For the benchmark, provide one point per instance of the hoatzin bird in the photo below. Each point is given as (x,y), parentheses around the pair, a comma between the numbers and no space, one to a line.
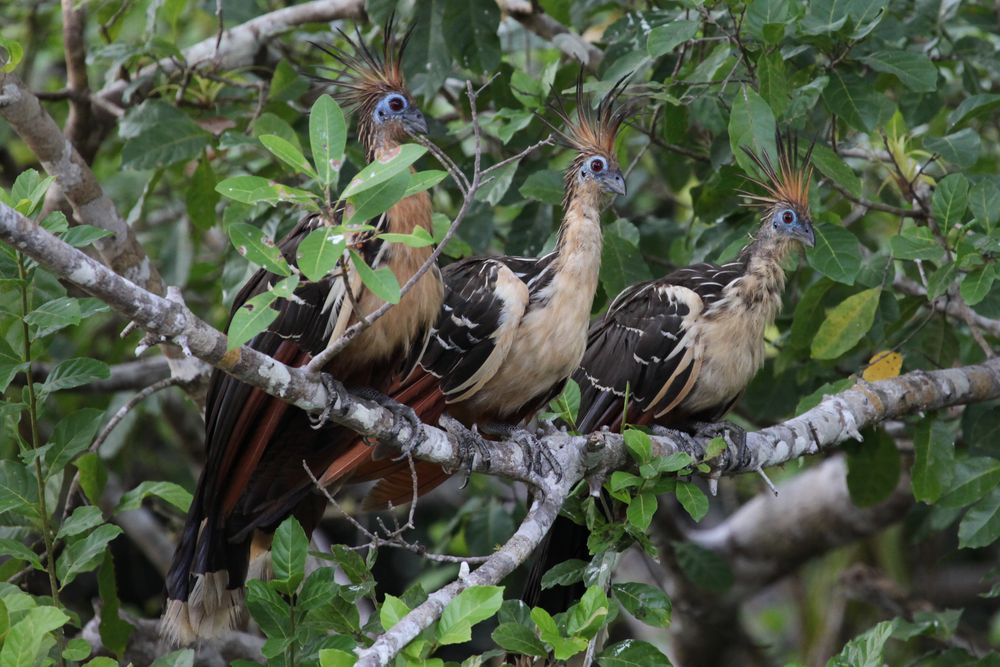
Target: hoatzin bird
(253,477)
(513,329)
(684,347)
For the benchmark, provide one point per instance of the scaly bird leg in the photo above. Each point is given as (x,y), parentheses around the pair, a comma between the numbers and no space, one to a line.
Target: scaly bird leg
(539,459)
(470,443)
(335,393)
(404,416)
(734,435)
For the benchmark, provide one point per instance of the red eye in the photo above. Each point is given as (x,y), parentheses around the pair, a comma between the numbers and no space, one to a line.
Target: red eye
(788,217)
(396,103)
(597,165)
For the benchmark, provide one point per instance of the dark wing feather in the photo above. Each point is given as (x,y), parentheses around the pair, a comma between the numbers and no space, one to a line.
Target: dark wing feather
(640,345)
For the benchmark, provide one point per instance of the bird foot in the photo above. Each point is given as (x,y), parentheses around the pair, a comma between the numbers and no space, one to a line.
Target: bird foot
(405,418)
(336,394)
(539,459)
(675,434)
(470,443)
(734,436)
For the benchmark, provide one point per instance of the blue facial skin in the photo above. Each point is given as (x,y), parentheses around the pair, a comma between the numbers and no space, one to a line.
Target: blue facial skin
(394,107)
(787,221)
(610,179)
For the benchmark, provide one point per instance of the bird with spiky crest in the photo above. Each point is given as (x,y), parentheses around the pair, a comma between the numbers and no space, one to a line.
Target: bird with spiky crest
(253,477)
(512,329)
(681,349)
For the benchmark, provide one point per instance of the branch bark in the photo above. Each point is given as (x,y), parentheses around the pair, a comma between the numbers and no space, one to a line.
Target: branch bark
(122,252)
(833,421)
(546,27)
(951,307)
(237,46)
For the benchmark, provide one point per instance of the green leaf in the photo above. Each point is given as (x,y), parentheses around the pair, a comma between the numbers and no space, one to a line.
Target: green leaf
(647,603)
(289,549)
(934,460)
(250,319)
(77,649)
(287,84)
(632,653)
(518,639)
(833,167)
(846,324)
(319,252)
(383,169)
(563,574)
(71,436)
(23,642)
(980,527)
(562,647)
(496,185)
(855,100)
(873,468)
(270,123)
(428,61)
(327,138)
(10,364)
(351,563)
(865,650)
(665,38)
(951,198)
(114,631)
(471,28)
(774,84)
(182,658)
(974,477)
(751,125)
(692,499)
(589,615)
(392,611)
(984,200)
(93,476)
(378,199)
(837,254)
(81,520)
(169,492)
(333,657)
(201,197)
(85,554)
(82,236)
(474,604)
(544,186)
(424,180)
(622,264)
(52,316)
(174,138)
(641,509)
(914,70)
(916,243)
(973,107)
(253,244)
(74,373)
(268,608)
(976,285)
(11,53)
(28,191)
(639,445)
(706,569)
(960,148)
(245,189)
(18,492)
(287,153)
(382,282)
(20,551)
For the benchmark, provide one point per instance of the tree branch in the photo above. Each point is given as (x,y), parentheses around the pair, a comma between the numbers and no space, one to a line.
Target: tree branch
(235,48)
(127,376)
(548,28)
(951,307)
(834,420)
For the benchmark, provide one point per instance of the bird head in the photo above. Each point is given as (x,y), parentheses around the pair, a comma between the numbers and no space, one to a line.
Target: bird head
(595,171)
(785,202)
(373,86)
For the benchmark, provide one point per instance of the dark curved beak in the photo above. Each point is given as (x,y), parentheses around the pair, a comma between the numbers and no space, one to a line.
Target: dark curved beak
(806,233)
(613,181)
(414,122)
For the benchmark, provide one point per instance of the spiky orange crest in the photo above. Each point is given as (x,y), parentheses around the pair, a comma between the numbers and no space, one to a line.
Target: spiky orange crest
(366,76)
(789,183)
(592,132)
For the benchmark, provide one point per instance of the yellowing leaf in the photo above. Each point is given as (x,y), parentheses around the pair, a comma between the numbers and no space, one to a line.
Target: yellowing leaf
(883,366)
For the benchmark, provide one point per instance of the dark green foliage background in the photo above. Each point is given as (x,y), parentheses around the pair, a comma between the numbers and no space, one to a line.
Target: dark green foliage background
(901,99)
